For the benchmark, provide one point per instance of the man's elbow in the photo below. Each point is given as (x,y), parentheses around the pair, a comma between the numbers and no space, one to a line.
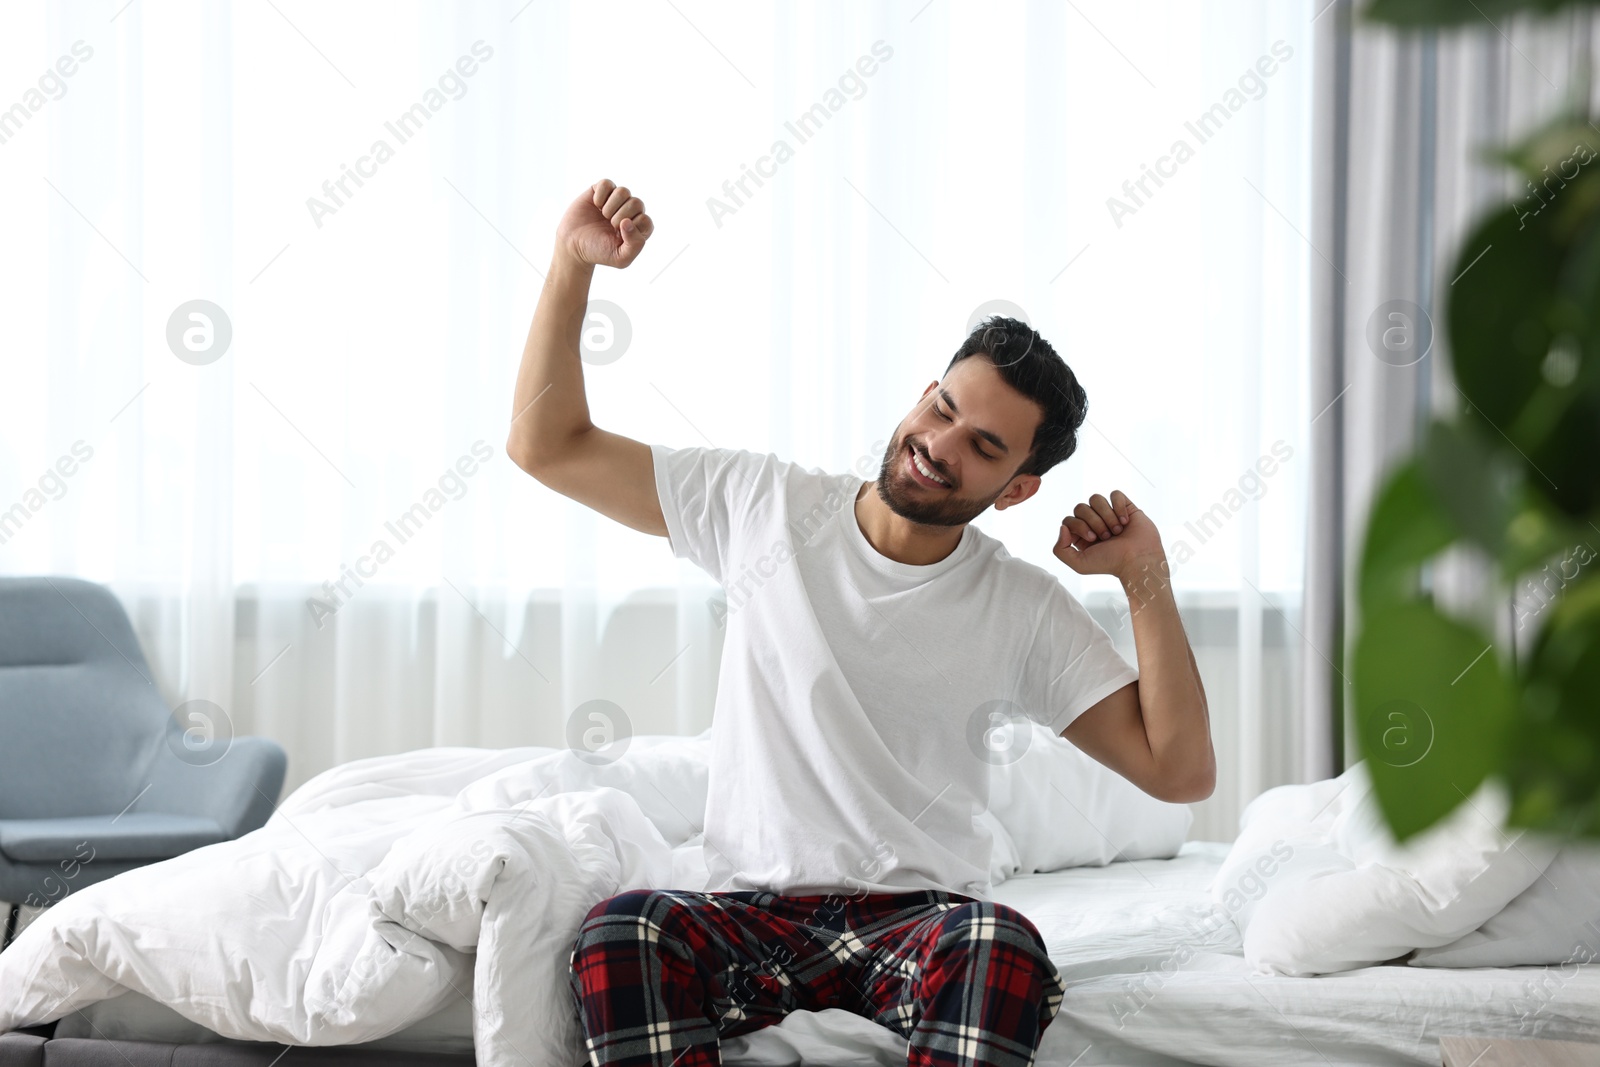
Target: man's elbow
(537,451)
(519,453)
(532,458)
(1187,789)
(1190,794)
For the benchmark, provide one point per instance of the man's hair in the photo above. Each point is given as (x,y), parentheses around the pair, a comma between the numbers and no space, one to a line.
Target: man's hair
(1031,367)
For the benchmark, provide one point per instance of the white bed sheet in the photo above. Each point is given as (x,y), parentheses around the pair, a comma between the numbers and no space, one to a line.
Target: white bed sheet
(1116,932)
(1154,979)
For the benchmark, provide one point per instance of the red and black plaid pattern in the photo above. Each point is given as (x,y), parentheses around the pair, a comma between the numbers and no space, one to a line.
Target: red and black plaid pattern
(660,976)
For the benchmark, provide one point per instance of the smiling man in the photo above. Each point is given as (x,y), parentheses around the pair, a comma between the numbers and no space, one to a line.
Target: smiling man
(859,684)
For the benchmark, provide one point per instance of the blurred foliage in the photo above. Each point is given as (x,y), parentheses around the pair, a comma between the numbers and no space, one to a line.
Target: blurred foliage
(1515,480)
(1424,13)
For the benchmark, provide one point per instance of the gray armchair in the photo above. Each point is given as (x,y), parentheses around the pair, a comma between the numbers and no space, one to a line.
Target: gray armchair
(97,776)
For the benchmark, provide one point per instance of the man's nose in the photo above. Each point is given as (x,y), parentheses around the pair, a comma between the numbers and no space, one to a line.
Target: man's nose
(940,444)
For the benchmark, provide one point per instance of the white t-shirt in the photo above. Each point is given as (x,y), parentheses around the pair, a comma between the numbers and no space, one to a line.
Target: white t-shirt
(861,701)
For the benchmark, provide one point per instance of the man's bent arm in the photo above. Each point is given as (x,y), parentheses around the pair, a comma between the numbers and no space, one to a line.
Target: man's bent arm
(551,436)
(1155,732)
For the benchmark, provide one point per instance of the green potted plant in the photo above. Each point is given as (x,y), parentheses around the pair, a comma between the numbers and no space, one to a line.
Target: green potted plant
(1440,706)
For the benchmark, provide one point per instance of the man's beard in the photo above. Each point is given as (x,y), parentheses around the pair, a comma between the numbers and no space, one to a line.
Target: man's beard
(897,489)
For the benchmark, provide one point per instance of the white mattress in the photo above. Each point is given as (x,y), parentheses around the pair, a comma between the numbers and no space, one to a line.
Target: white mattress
(1153,980)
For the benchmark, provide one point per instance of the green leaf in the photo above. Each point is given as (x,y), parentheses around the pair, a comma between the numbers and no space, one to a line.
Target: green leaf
(1420,13)
(1537,533)
(1565,463)
(1433,710)
(1407,525)
(1474,481)
(1460,487)
(1561,421)
(1559,185)
(1555,152)
(1553,762)
(1524,338)
(1500,313)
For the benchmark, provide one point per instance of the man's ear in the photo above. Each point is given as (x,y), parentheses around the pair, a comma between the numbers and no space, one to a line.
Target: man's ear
(1020,488)
(931,387)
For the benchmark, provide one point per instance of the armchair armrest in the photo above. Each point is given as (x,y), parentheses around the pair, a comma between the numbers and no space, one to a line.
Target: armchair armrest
(238,788)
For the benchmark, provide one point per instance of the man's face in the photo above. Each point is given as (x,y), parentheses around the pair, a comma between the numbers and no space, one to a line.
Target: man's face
(970,432)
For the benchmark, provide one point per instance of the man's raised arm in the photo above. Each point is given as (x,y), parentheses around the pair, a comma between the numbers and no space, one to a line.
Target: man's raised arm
(551,436)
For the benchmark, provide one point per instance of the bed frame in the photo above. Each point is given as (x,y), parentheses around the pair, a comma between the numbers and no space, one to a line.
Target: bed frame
(34,1047)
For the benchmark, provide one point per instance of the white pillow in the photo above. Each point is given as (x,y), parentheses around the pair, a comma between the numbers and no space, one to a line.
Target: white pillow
(1283,839)
(1349,895)
(1055,806)
(1556,920)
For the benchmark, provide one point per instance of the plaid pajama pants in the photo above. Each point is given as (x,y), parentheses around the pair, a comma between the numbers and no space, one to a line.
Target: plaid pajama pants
(660,976)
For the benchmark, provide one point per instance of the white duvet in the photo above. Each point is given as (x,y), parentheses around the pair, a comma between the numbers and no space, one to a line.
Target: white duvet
(384,890)
(378,892)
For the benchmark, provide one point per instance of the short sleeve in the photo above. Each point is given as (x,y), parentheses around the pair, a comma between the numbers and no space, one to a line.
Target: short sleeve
(708,499)
(1073,663)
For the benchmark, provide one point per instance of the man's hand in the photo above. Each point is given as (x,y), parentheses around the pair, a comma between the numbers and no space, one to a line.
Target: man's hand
(606,226)
(1109,537)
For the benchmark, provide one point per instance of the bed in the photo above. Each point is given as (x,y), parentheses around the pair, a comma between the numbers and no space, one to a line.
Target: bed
(1153,979)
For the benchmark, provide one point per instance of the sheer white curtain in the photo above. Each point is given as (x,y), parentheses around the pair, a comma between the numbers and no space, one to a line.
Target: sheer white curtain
(368,192)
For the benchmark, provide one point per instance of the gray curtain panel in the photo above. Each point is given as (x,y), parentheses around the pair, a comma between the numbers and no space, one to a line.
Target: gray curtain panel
(1402,122)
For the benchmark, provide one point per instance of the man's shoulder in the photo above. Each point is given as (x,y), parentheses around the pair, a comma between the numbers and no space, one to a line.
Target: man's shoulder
(1023,579)
(762,486)
(993,553)
(755,461)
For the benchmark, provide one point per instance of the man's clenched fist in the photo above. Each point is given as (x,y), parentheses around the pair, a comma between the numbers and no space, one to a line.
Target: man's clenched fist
(1108,537)
(605,226)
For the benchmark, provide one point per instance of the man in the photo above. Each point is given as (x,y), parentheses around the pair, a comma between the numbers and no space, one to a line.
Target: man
(875,642)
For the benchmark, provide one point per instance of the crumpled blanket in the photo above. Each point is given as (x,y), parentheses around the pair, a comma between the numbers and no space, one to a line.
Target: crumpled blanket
(377,892)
